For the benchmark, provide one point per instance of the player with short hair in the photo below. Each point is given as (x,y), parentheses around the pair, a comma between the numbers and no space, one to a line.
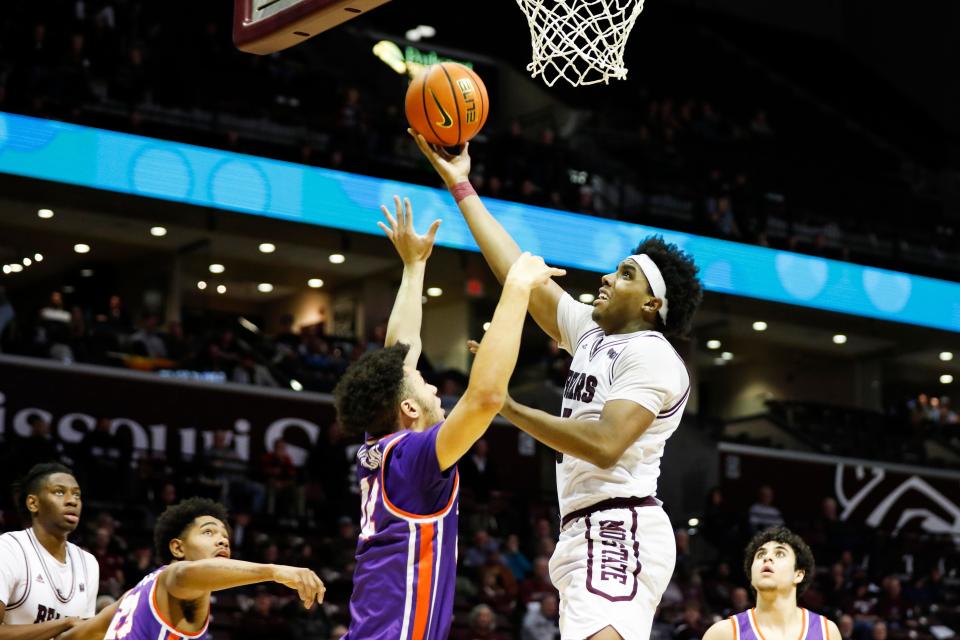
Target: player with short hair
(623,398)
(780,566)
(173,602)
(46,582)
(403,585)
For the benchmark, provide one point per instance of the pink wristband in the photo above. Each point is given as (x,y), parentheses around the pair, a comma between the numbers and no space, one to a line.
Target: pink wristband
(462,190)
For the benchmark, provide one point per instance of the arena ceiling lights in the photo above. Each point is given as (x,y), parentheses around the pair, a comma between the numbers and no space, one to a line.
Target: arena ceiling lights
(123,163)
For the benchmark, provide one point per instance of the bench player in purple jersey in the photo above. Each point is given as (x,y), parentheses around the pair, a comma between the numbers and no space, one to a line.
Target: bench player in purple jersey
(623,399)
(780,566)
(403,585)
(173,602)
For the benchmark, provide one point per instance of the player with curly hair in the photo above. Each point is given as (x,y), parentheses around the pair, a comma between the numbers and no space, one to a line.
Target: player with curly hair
(623,398)
(780,567)
(173,602)
(403,586)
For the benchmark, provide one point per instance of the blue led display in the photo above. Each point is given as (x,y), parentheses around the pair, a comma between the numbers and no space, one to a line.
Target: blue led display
(142,166)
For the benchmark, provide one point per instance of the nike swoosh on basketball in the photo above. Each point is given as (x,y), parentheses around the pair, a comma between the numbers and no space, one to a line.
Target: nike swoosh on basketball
(447,120)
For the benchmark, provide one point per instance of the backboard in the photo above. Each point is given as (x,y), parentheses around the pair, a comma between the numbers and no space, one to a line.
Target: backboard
(266,26)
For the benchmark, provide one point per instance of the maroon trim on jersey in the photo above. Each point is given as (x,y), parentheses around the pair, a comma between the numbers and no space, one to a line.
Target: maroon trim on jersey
(636,555)
(26,565)
(609,503)
(586,334)
(676,407)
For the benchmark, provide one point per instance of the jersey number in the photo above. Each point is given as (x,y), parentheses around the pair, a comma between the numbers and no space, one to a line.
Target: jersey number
(367,504)
(122,621)
(564,414)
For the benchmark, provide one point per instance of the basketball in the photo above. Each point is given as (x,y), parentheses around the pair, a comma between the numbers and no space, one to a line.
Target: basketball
(447,104)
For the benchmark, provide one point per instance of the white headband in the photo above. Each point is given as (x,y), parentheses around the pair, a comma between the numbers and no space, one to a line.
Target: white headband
(655,278)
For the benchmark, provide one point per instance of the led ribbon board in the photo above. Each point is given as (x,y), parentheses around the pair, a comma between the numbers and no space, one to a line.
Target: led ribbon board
(142,166)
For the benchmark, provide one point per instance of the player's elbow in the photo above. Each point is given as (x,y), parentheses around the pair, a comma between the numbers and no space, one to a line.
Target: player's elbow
(488,400)
(603,457)
(606,454)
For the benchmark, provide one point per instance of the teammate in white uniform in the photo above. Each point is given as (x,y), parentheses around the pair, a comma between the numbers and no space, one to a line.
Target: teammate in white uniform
(46,582)
(624,397)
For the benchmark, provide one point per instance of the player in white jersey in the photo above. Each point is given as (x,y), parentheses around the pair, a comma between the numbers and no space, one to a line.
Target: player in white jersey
(624,397)
(46,583)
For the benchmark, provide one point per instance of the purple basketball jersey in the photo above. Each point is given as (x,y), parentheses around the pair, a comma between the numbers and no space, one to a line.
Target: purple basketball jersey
(137,616)
(814,626)
(407,553)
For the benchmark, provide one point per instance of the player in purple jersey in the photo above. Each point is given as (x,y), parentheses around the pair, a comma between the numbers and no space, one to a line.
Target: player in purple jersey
(403,585)
(780,566)
(173,602)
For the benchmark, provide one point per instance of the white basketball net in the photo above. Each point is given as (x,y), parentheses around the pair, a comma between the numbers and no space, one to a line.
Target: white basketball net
(581,41)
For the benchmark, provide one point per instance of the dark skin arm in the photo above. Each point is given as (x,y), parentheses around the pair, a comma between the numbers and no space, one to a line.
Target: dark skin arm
(94,628)
(599,442)
(42,631)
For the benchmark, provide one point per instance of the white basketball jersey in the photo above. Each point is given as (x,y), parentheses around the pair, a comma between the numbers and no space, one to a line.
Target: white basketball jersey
(642,367)
(36,587)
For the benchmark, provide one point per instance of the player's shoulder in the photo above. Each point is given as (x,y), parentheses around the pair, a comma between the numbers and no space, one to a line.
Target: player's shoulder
(724,629)
(88,558)
(652,345)
(13,540)
(833,631)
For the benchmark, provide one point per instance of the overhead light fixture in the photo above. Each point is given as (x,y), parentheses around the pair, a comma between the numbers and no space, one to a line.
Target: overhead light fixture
(6,268)
(314,283)
(267,247)
(713,344)
(38,257)
(946,378)
(759,325)
(693,522)
(486,325)
(337,258)
(16,267)
(158,232)
(27,262)
(86,273)
(946,356)
(839,339)
(264,287)
(423,299)
(434,292)
(68,288)
(201,285)
(726,355)
(586,298)
(46,214)
(217,268)
(295,385)
(221,289)
(719,362)
(80,247)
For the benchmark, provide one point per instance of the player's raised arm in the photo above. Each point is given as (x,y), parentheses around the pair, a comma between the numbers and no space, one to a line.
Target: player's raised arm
(190,580)
(496,358)
(498,247)
(407,314)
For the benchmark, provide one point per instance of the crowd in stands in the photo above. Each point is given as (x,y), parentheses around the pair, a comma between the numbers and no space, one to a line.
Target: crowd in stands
(932,410)
(707,164)
(873,584)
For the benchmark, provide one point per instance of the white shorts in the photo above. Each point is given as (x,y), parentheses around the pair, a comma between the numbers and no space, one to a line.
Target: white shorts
(611,567)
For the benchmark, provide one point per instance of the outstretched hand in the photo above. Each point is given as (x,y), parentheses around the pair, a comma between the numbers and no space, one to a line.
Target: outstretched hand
(306,583)
(411,246)
(453,169)
(531,271)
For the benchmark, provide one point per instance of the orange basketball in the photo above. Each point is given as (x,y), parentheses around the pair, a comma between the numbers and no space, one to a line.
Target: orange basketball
(447,104)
